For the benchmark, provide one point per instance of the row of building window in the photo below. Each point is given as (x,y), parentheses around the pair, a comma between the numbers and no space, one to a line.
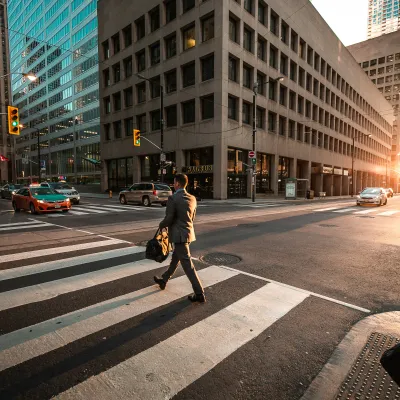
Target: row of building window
(381,60)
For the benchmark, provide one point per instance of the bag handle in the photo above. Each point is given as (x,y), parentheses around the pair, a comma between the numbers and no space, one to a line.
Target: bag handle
(159,231)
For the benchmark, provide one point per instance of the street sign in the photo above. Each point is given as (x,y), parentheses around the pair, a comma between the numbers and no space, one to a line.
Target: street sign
(162,157)
(254,161)
(252,154)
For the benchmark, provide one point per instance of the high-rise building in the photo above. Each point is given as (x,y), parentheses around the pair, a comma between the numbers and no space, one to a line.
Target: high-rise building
(383,17)
(208,56)
(57,41)
(6,142)
(380,59)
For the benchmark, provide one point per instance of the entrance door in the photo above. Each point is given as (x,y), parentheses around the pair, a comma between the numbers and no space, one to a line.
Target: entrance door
(237,186)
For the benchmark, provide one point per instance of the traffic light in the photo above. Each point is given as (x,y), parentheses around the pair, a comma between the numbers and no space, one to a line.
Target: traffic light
(136,137)
(13,120)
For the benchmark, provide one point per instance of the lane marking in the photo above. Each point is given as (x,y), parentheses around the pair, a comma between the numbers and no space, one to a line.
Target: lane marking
(389,213)
(104,208)
(20,223)
(42,267)
(344,210)
(81,209)
(73,212)
(56,250)
(367,211)
(135,208)
(203,345)
(284,285)
(33,341)
(326,209)
(38,225)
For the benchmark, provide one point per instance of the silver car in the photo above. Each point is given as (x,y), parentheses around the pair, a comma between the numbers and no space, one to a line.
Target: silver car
(64,189)
(372,195)
(146,193)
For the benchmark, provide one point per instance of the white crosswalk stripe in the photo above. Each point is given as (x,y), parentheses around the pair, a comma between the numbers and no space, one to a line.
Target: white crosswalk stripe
(344,210)
(376,211)
(23,225)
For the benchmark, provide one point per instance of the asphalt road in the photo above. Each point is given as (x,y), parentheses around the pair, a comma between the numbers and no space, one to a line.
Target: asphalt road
(80,316)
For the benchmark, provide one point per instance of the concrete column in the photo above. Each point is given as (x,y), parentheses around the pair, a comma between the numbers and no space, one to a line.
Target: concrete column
(220,171)
(137,170)
(180,160)
(274,174)
(293,168)
(337,190)
(345,185)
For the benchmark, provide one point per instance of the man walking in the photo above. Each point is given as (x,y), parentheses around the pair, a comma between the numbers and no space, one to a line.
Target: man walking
(180,214)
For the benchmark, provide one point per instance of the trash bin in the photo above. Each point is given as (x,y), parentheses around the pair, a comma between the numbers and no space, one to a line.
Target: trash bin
(310,194)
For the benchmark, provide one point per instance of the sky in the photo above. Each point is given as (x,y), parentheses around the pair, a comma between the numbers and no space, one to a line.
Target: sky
(347,18)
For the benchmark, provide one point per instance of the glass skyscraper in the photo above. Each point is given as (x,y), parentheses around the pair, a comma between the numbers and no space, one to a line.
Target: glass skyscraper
(383,17)
(57,41)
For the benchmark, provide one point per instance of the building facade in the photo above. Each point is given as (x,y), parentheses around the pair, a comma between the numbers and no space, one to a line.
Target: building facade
(207,55)
(380,59)
(57,41)
(383,17)
(6,142)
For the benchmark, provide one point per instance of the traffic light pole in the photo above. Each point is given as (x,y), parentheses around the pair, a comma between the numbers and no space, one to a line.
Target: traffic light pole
(253,177)
(162,132)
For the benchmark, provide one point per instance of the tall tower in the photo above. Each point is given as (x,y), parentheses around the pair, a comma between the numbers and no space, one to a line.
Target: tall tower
(383,17)
(57,41)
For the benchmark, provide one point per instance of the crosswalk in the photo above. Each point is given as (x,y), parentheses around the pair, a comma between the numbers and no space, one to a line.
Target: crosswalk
(90,326)
(375,211)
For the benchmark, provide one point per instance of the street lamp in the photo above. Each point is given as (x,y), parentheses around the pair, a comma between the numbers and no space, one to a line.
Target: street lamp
(352,161)
(255,91)
(161,122)
(32,77)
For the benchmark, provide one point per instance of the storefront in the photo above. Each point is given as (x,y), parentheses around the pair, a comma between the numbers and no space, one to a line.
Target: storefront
(199,167)
(120,173)
(237,173)
(283,174)
(263,169)
(150,168)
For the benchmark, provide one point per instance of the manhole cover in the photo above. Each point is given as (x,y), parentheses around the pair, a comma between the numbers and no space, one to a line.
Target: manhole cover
(328,226)
(220,259)
(367,379)
(248,225)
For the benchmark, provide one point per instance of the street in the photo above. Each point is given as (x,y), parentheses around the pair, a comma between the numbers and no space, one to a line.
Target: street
(285,282)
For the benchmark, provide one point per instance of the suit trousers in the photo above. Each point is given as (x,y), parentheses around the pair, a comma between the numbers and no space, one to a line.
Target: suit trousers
(182,254)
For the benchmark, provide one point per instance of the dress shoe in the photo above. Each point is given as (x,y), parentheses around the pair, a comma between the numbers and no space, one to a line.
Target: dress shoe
(160,282)
(197,298)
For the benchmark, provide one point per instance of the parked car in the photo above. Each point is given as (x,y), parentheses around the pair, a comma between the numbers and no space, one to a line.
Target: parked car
(8,190)
(373,195)
(146,193)
(389,192)
(64,189)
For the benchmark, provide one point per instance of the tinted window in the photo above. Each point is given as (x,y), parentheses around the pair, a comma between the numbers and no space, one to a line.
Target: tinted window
(134,187)
(162,187)
(141,186)
(41,191)
(148,186)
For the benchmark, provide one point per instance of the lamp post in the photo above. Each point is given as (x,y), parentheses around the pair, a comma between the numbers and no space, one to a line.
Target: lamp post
(32,77)
(255,92)
(352,161)
(162,160)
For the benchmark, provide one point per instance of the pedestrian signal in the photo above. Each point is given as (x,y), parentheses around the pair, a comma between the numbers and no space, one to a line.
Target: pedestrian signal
(136,137)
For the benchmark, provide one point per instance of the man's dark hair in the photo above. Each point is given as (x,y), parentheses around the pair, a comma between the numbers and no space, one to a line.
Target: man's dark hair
(182,179)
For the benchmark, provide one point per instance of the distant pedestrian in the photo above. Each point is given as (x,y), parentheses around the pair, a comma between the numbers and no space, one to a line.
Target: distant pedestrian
(180,214)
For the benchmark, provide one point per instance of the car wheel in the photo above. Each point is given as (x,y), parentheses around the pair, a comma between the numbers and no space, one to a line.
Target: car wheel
(14,204)
(385,202)
(76,202)
(146,201)
(122,199)
(32,208)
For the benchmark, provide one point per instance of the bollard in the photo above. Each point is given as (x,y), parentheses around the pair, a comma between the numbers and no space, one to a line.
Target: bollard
(110,193)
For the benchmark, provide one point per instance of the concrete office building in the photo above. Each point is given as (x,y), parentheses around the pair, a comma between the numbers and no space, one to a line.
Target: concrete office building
(57,41)
(380,59)
(6,142)
(383,17)
(206,55)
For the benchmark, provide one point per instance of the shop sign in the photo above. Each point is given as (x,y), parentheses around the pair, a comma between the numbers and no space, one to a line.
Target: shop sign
(327,170)
(345,172)
(200,169)
(338,171)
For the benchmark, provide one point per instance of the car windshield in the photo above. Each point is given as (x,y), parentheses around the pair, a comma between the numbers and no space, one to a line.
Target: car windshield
(162,187)
(61,186)
(371,191)
(41,191)
(15,187)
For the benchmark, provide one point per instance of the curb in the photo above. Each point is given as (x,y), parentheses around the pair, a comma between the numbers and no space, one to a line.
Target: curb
(328,382)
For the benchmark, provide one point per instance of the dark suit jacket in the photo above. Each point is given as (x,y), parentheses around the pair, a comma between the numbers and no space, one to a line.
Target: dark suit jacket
(179,217)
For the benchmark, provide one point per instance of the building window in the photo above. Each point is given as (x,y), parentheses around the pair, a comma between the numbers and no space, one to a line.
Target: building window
(232,107)
(207,28)
(302,77)
(128,70)
(300,105)
(390,58)
(247,76)
(106,50)
(261,83)
(107,105)
(116,43)
(170,10)
(285,33)
(155,120)
(261,45)
(260,118)
(141,123)
(232,69)
(141,60)
(170,81)
(187,5)
(294,39)
(127,33)
(248,6)
(189,39)
(292,129)
(248,39)
(246,110)
(188,112)
(310,53)
(117,101)
(155,53)
(372,72)
(128,97)
(282,126)
(207,107)
(284,64)
(116,72)
(154,15)
(155,86)
(293,71)
(272,90)
(381,60)
(273,56)
(302,49)
(106,78)
(129,127)
(282,95)
(188,74)
(207,68)
(271,122)
(171,115)
(274,26)
(233,29)
(117,130)
(141,92)
(262,13)
(140,28)
(107,131)
(292,100)
(170,46)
